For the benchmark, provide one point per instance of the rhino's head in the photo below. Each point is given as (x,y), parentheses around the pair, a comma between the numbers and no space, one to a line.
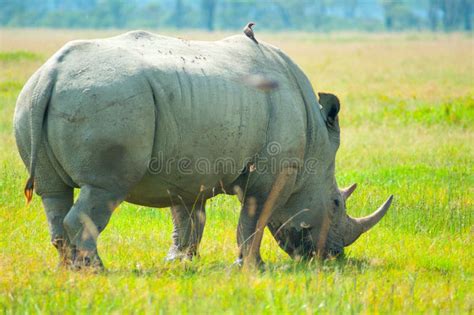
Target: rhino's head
(317,223)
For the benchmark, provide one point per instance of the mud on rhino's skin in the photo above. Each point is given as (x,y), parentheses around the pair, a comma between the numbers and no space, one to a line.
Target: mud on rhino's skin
(152,120)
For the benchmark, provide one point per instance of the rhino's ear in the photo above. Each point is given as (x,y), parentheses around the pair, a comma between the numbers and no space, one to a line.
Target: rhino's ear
(331,106)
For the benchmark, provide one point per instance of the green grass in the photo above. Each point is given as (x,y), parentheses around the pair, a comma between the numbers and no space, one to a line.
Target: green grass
(407,123)
(15,56)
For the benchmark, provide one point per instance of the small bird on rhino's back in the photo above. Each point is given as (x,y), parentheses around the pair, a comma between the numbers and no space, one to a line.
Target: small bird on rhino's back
(249,32)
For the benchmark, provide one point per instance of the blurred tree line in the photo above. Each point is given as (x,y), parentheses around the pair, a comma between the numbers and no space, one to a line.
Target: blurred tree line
(322,15)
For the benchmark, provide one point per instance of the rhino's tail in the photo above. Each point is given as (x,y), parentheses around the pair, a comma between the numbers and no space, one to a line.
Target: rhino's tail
(39,104)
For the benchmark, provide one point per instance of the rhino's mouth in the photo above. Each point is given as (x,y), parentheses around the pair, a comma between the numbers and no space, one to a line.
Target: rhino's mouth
(300,244)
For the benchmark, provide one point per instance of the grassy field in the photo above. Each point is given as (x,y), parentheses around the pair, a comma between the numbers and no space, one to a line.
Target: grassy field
(407,123)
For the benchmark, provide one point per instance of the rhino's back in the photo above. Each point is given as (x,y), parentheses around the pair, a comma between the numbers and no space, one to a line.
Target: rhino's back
(168,99)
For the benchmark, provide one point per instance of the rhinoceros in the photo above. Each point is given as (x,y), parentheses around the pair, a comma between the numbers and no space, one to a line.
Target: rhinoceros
(166,122)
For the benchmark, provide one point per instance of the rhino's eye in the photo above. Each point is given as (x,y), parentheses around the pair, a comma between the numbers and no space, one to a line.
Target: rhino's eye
(336,202)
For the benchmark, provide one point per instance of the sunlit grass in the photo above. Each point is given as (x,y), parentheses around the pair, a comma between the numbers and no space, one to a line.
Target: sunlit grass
(17,56)
(407,129)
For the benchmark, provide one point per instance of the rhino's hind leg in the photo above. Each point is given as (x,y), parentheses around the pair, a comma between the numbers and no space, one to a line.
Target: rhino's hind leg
(57,198)
(56,206)
(87,218)
(188,227)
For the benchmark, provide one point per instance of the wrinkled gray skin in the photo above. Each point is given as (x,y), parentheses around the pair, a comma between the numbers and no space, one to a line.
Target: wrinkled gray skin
(106,116)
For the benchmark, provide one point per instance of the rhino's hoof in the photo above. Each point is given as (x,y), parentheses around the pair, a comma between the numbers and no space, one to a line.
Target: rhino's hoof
(64,263)
(178,257)
(86,260)
(257,264)
(239,262)
(175,254)
(66,253)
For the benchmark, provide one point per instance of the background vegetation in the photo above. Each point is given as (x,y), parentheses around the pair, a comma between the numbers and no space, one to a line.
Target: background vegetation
(407,129)
(323,15)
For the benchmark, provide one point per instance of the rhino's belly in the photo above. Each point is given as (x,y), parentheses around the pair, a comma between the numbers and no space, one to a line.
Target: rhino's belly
(155,191)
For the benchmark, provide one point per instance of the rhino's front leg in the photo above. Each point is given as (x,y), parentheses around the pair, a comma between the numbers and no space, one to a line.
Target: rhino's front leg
(188,221)
(256,212)
(56,206)
(249,215)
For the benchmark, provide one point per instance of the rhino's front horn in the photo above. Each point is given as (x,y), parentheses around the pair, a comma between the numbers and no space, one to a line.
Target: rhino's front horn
(356,226)
(347,192)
